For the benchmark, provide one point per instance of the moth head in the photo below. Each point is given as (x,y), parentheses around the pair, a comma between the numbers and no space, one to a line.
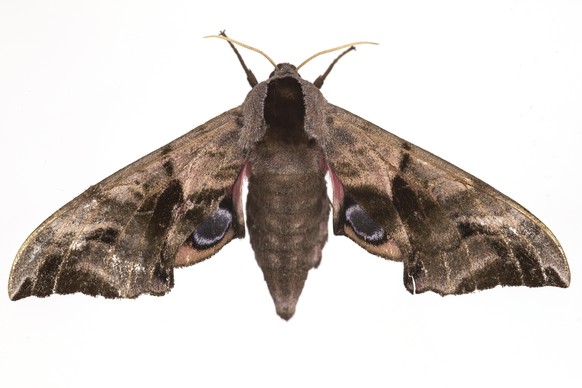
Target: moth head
(283,69)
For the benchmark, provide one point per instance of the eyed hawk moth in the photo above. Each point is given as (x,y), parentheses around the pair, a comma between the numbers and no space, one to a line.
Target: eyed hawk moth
(182,203)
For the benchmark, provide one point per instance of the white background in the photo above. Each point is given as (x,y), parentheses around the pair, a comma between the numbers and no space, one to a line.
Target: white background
(494,87)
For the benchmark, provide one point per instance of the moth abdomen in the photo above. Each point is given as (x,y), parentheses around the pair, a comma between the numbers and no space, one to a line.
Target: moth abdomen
(285,216)
(287,213)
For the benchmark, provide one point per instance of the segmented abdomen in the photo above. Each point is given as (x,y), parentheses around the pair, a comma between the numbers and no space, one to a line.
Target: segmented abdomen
(287,213)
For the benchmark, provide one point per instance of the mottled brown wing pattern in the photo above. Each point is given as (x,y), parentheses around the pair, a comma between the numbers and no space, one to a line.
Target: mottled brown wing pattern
(454,233)
(119,238)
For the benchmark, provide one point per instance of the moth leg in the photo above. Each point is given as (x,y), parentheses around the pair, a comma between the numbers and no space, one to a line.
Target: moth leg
(250,76)
(319,81)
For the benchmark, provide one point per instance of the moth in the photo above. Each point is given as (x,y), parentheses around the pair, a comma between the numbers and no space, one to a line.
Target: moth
(182,203)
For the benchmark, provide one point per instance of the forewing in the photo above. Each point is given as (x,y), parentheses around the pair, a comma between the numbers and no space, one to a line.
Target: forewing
(120,238)
(454,233)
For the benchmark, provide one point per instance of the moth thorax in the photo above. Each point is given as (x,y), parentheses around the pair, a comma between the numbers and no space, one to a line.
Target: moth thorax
(284,110)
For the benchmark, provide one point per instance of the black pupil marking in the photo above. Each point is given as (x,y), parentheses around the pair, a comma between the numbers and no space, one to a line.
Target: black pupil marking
(363,225)
(212,229)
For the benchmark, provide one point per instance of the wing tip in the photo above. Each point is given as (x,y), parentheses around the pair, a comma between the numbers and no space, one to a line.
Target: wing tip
(20,289)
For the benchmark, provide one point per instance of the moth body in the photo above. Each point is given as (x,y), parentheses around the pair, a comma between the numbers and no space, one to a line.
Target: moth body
(287,205)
